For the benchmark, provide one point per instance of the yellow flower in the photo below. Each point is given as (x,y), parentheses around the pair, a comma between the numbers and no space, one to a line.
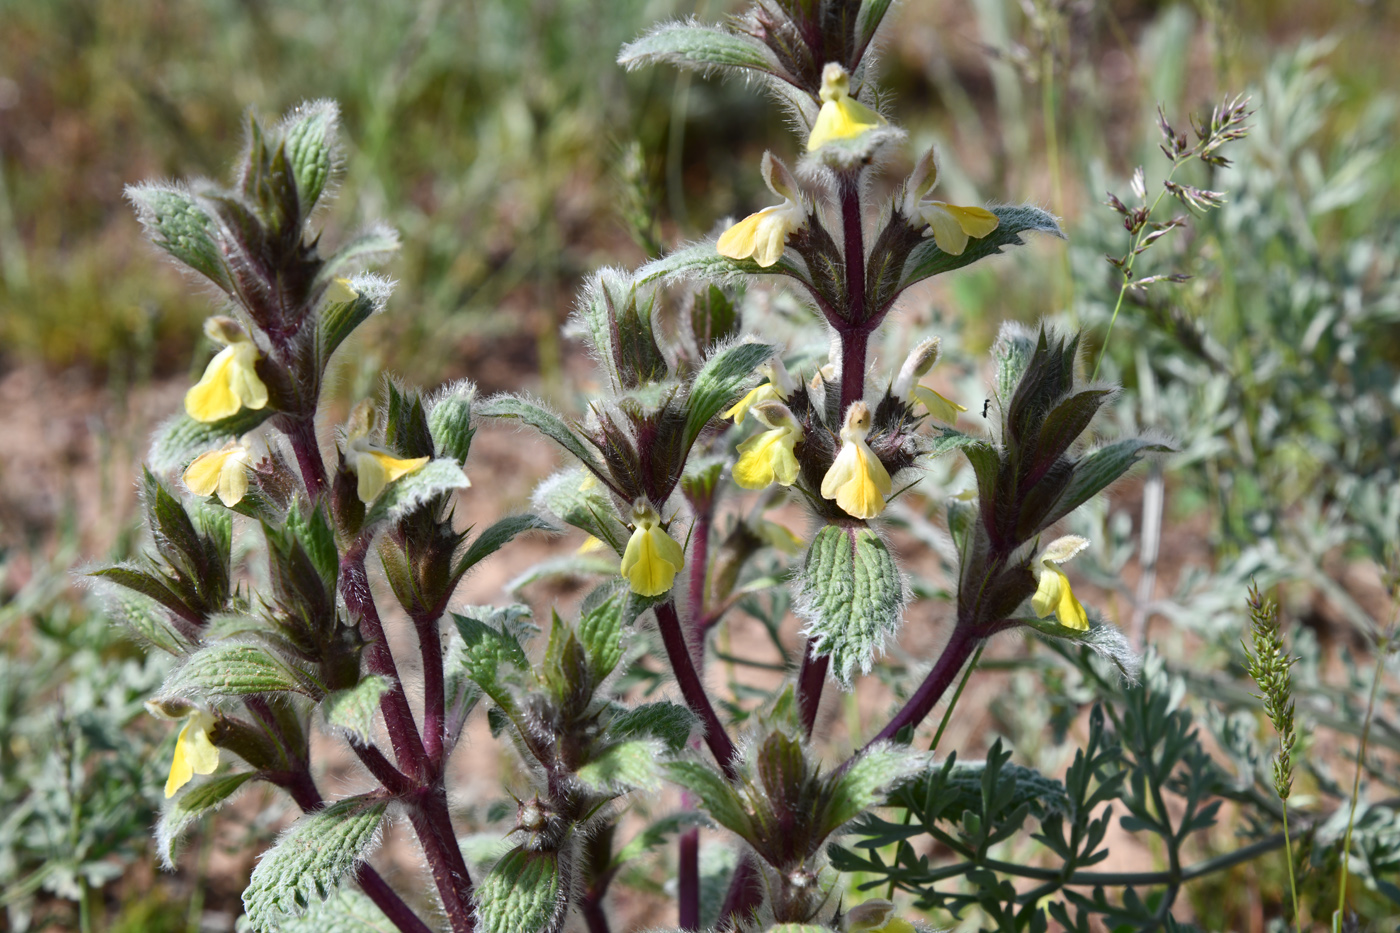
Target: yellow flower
(841,116)
(858,481)
(195,753)
(768,455)
(341,291)
(374,468)
(906,388)
(876,916)
(949,224)
(763,235)
(1053,595)
(778,388)
(224,470)
(652,558)
(230,381)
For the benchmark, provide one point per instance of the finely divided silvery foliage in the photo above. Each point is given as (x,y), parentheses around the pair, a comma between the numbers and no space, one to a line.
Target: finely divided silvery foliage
(262,660)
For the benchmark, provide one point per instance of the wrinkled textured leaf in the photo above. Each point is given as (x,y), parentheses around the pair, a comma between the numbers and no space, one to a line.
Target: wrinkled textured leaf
(311,859)
(623,767)
(577,499)
(521,894)
(600,631)
(354,708)
(404,495)
(347,911)
(699,48)
(720,381)
(231,669)
(701,262)
(852,598)
(310,142)
(197,798)
(175,221)
(868,779)
(450,420)
(181,439)
(669,722)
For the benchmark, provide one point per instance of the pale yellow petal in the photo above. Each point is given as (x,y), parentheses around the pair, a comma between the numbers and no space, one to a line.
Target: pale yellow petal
(975,221)
(194,753)
(372,478)
(842,118)
(858,481)
(202,475)
(771,237)
(243,376)
(1054,597)
(180,768)
(840,472)
(740,240)
(233,480)
(651,561)
(212,398)
(763,393)
(755,467)
(941,408)
(395,468)
(947,232)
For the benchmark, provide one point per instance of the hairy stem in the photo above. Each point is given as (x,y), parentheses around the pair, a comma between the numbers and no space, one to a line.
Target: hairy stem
(434,691)
(692,688)
(301,433)
(744,896)
(398,716)
(960,647)
(433,826)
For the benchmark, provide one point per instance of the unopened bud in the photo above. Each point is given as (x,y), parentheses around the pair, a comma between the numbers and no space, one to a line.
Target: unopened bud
(779,180)
(225,330)
(920,360)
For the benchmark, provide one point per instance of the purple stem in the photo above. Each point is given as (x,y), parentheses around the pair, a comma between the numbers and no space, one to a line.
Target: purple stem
(692,688)
(301,432)
(398,717)
(960,646)
(744,895)
(433,824)
(689,868)
(434,691)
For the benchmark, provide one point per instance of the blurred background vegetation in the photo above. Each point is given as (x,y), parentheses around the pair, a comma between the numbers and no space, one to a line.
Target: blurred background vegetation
(513,155)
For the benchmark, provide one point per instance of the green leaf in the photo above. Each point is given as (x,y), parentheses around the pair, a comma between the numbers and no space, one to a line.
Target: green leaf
(150,586)
(484,650)
(569,567)
(311,859)
(867,780)
(1099,469)
(197,799)
(450,420)
(372,245)
(578,500)
(928,260)
(949,439)
(868,20)
(310,146)
(669,722)
(600,631)
(338,320)
(498,536)
(150,621)
(544,421)
(175,221)
(624,767)
(353,709)
(349,910)
(720,381)
(232,669)
(316,537)
(716,794)
(701,262)
(181,439)
(852,598)
(698,48)
(408,493)
(521,894)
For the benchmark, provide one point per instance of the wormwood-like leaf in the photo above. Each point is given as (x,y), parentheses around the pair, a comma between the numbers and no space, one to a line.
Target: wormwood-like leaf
(197,799)
(622,767)
(353,708)
(699,48)
(521,894)
(408,493)
(544,421)
(311,860)
(928,260)
(852,598)
(719,382)
(232,669)
(700,261)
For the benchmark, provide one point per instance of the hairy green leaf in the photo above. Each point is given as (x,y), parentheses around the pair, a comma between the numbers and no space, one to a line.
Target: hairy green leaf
(497,536)
(698,48)
(197,799)
(720,381)
(928,260)
(232,669)
(669,722)
(521,894)
(701,262)
(626,766)
(175,221)
(353,709)
(181,439)
(408,493)
(852,598)
(544,421)
(1099,469)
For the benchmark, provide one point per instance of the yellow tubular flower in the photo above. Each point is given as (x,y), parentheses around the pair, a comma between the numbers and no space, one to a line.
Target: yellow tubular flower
(374,468)
(230,381)
(763,235)
(1053,596)
(652,558)
(948,224)
(224,470)
(768,456)
(194,752)
(841,116)
(779,388)
(876,916)
(906,388)
(858,481)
